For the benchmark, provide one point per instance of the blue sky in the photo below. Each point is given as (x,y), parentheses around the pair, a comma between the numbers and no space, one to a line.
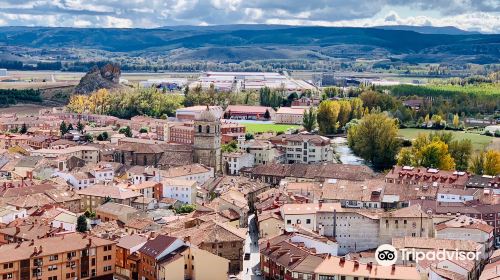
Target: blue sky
(476,15)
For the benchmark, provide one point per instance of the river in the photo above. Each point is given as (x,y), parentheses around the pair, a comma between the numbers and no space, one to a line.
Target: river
(345,153)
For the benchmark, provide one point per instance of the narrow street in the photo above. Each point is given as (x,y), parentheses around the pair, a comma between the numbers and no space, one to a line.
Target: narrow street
(252,247)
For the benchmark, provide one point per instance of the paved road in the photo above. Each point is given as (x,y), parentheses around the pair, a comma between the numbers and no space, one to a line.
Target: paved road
(252,246)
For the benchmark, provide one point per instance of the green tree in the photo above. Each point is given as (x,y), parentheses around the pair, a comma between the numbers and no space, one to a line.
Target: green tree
(88,138)
(405,157)
(327,117)
(125,131)
(456,121)
(436,155)
(344,112)
(230,147)
(492,163)
(186,208)
(80,126)
(143,130)
(374,139)
(461,152)
(24,129)
(309,120)
(477,164)
(249,136)
(81,224)
(267,115)
(356,108)
(63,128)
(70,127)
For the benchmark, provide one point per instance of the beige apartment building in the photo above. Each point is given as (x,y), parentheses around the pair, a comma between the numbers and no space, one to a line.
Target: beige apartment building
(67,256)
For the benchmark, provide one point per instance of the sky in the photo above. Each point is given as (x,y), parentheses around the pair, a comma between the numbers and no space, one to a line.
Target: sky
(473,15)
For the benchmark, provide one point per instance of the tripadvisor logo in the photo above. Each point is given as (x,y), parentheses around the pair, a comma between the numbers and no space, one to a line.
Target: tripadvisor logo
(387,255)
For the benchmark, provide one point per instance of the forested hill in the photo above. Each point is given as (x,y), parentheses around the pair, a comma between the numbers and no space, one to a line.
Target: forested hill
(237,43)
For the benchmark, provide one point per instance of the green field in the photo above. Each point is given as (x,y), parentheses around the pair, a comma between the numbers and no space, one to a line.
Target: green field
(479,142)
(258,127)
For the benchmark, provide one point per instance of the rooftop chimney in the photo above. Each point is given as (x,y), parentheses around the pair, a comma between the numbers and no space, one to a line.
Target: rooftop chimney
(342,261)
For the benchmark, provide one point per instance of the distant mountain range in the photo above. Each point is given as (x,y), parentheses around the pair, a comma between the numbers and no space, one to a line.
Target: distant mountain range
(236,43)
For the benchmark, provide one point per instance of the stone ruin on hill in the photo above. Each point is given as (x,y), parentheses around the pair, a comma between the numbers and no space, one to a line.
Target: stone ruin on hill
(107,77)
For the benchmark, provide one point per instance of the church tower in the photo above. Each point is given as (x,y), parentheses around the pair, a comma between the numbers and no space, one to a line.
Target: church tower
(207,140)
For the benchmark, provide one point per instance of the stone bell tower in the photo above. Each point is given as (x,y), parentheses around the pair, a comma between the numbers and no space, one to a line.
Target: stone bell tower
(207,140)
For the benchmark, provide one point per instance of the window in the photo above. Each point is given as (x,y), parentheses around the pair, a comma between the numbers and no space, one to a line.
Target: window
(8,265)
(52,278)
(7,276)
(71,255)
(54,258)
(308,221)
(93,261)
(107,248)
(52,267)
(37,272)
(107,268)
(38,262)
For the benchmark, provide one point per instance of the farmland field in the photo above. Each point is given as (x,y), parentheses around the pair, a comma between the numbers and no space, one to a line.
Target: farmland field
(267,127)
(479,142)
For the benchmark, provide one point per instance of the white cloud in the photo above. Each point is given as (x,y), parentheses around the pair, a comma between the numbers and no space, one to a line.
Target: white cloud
(483,15)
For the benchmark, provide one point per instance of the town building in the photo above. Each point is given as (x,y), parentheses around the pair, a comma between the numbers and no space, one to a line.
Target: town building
(219,239)
(194,112)
(233,162)
(410,221)
(207,140)
(305,148)
(66,256)
(287,115)
(198,172)
(182,190)
(244,112)
(466,228)
(263,151)
(87,153)
(96,195)
(354,194)
(422,176)
(10,213)
(111,211)
(127,260)
(333,268)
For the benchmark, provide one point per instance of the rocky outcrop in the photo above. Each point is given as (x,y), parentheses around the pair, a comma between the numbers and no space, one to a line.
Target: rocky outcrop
(107,77)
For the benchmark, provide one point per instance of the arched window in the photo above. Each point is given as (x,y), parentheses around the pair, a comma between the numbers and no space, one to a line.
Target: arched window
(199,128)
(208,129)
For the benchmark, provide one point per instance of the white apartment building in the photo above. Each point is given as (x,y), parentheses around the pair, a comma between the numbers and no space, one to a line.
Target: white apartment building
(197,172)
(78,180)
(10,213)
(263,151)
(182,190)
(466,228)
(103,173)
(355,230)
(233,162)
(87,153)
(305,148)
(445,194)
